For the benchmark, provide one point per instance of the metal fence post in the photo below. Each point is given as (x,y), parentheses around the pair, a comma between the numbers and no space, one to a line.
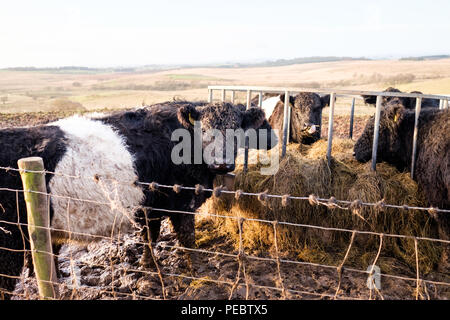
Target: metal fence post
(246,145)
(210,95)
(35,194)
(260,99)
(223,95)
(330,126)
(376,133)
(352,114)
(441,104)
(416,131)
(232,96)
(445,104)
(286,123)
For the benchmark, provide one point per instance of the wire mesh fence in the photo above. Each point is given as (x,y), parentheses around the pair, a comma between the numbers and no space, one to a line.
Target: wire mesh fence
(111,269)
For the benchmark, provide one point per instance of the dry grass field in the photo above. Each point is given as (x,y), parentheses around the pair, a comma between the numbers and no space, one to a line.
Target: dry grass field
(31,91)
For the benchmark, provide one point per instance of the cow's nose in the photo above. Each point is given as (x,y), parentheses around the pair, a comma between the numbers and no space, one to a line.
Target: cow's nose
(354,154)
(313,129)
(310,127)
(221,168)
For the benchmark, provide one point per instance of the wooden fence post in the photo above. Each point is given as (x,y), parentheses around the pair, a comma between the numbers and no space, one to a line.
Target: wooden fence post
(35,194)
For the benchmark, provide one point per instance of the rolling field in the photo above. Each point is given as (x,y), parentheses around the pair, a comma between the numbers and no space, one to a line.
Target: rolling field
(32,91)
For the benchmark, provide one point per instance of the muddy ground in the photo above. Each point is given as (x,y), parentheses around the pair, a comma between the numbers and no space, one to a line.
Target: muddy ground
(111,269)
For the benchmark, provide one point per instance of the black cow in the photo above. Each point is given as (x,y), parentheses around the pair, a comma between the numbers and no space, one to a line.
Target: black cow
(126,146)
(409,103)
(432,163)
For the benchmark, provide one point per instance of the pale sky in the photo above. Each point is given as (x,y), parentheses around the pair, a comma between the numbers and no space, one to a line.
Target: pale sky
(49,33)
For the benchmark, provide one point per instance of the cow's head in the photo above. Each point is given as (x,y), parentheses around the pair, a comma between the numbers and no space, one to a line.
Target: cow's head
(306,116)
(390,146)
(372,100)
(408,103)
(221,128)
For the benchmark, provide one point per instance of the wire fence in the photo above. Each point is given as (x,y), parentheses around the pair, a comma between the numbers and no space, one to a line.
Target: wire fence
(165,277)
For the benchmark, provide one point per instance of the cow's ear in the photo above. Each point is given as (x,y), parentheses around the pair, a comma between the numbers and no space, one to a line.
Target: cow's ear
(411,102)
(291,98)
(325,100)
(187,115)
(370,99)
(253,118)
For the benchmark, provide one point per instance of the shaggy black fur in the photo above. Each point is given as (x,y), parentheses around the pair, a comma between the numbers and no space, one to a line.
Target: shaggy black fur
(306,111)
(47,142)
(409,103)
(432,170)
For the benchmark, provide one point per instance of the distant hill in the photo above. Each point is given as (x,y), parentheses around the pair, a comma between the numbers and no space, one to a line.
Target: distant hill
(287,62)
(422,58)
(155,68)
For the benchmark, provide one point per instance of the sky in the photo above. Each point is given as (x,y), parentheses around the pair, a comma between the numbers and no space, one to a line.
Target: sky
(51,33)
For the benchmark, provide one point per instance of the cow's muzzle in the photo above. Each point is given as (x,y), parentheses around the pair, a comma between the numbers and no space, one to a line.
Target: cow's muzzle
(310,128)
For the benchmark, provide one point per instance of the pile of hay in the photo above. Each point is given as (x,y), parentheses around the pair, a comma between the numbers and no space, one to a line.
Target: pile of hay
(305,171)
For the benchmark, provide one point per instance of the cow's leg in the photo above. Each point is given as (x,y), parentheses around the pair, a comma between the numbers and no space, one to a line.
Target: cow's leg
(150,231)
(184,226)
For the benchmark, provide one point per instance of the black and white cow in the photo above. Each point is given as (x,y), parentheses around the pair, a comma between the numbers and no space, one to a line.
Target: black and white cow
(306,114)
(125,147)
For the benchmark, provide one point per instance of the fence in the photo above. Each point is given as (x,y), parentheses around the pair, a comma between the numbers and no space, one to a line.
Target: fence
(443,104)
(243,260)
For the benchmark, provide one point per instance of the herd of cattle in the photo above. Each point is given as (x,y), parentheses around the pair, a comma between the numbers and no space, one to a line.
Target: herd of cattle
(136,145)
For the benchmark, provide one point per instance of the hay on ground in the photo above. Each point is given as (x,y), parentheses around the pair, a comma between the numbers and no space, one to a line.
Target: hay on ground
(305,171)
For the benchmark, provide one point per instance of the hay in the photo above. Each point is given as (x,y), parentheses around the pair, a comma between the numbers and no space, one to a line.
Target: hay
(304,171)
